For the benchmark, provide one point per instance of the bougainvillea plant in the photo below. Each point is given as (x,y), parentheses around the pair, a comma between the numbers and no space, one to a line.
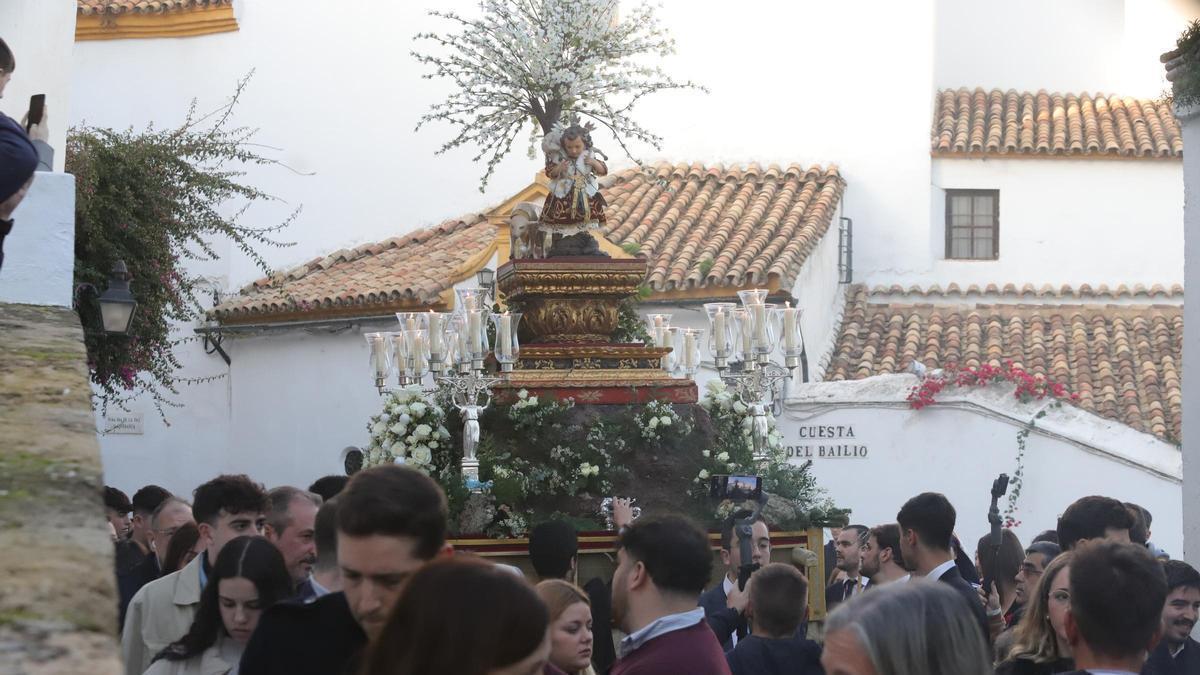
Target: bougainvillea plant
(1029,387)
(158,199)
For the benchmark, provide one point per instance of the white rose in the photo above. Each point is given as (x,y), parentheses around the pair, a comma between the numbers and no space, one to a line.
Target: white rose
(706,453)
(398,429)
(443,434)
(703,474)
(397,448)
(533,400)
(404,419)
(422,455)
(723,457)
(523,394)
(665,421)
(378,428)
(433,445)
(418,408)
(653,422)
(422,431)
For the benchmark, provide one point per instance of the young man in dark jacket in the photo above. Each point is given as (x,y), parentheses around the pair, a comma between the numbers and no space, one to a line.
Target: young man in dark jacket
(1178,653)
(778,604)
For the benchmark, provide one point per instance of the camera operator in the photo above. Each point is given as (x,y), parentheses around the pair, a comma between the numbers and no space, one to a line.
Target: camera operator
(725,604)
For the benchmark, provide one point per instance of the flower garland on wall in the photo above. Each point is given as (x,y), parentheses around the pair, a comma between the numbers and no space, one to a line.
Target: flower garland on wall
(1028,388)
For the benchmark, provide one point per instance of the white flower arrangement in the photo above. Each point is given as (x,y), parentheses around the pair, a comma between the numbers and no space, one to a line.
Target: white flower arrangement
(407,431)
(656,417)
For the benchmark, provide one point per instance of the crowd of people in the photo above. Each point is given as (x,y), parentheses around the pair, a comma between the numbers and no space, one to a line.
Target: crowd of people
(356,576)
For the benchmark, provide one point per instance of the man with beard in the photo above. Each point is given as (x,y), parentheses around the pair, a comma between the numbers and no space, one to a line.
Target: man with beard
(848,549)
(881,559)
(1178,653)
(662,565)
(291,526)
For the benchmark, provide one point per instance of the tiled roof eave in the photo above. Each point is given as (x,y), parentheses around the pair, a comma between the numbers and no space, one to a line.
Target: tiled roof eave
(1123,360)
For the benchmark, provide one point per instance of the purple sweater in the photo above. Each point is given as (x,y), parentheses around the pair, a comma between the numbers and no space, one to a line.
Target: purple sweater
(689,651)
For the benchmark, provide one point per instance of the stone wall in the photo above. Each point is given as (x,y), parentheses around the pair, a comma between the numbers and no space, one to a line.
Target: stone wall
(57,591)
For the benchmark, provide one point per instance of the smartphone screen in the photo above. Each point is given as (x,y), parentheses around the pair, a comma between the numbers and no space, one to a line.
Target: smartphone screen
(37,108)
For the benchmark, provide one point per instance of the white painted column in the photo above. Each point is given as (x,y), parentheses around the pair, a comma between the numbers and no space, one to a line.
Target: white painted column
(1190,120)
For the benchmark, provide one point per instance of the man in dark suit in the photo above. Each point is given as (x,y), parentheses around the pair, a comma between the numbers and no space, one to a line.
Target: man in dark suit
(391,521)
(1117,594)
(1178,653)
(926,527)
(848,556)
(724,604)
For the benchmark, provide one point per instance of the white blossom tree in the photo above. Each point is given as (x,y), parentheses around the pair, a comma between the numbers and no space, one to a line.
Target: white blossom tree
(540,60)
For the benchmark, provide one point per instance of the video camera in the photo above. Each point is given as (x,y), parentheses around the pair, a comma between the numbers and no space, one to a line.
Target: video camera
(742,488)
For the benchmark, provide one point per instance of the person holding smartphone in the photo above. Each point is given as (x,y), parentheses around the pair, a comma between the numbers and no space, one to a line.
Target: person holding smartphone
(18,155)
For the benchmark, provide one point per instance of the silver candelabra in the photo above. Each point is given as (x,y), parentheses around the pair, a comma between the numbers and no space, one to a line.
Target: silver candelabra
(450,348)
(752,333)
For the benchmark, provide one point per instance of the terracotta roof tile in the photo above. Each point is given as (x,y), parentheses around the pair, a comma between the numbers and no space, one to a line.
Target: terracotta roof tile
(1124,361)
(1030,124)
(142,6)
(414,269)
(752,223)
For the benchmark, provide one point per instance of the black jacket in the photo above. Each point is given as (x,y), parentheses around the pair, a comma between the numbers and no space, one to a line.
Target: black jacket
(1023,666)
(968,592)
(761,656)
(320,638)
(604,652)
(1187,662)
(723,620)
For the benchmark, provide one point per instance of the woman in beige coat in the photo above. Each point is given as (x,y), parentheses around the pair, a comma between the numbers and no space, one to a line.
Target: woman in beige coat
(249,576)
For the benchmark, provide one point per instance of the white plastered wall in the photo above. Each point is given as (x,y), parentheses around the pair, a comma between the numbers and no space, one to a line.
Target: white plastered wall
(960,445)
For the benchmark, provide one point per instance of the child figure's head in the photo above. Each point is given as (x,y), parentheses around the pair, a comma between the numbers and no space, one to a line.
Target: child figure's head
(575,139)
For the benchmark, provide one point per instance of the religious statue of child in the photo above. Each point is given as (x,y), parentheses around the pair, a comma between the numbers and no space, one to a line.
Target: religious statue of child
(574,206)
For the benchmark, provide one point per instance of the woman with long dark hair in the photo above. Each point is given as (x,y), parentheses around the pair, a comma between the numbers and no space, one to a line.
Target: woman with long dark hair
(463,616)
(248,577)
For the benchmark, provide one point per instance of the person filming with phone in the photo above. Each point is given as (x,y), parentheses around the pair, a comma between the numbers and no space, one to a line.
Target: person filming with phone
(745,547)
(23,149)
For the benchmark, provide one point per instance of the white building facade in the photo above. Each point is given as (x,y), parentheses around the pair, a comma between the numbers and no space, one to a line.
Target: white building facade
(295,395)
